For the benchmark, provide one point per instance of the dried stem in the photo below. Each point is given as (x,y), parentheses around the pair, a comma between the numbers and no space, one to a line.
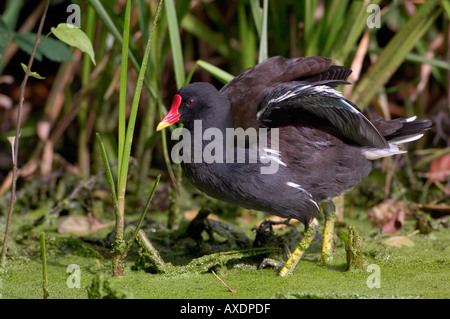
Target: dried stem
(16,140)
(223,283)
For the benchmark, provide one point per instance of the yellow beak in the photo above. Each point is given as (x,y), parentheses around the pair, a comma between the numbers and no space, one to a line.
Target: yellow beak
(162,125)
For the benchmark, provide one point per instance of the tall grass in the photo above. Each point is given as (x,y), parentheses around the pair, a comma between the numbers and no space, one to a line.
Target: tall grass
(125,139)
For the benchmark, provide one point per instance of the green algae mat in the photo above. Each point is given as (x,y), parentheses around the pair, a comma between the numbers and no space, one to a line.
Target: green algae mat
(407,264)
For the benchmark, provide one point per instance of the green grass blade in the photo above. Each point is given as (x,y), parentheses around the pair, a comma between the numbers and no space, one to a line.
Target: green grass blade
(143,19)
(355,22)
(263,50)
(446,6)
(11,13)
(197,28)
(134,108)
(420,59)
(175,42)
(191,73)
(309,9)
(123,87)
(103,15)
(247,39)
(218,73)
(257,15)
(333,21)
(108,173)
(395,52)
(91,23)
(216,17)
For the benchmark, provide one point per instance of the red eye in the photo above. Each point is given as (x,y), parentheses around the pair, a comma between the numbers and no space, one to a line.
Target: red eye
(190,102)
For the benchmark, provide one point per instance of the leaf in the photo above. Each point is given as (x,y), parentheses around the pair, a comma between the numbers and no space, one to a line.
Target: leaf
(399,241)
(5,35)
(52,49)
(395,223)
(74,37)
(33,74)
(81,225)
(391,214)
(389,210)
(25,41)
(440,169)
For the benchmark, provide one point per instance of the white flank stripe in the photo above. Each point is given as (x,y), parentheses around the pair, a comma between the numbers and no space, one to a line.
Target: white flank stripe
(273,155)
(269,150)
(300,188)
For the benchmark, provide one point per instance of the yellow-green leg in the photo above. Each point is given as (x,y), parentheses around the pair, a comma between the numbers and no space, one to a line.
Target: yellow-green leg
(300,249)
(328,231)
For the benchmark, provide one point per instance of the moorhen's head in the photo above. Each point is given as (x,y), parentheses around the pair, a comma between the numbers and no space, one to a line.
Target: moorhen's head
(196,101)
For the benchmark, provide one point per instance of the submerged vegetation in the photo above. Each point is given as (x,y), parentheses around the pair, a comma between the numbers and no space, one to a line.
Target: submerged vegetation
(85,177)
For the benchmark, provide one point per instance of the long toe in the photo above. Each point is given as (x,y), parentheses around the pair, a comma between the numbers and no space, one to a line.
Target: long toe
(270,262)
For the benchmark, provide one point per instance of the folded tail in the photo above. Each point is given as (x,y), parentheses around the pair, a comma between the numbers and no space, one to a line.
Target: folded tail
(397,131)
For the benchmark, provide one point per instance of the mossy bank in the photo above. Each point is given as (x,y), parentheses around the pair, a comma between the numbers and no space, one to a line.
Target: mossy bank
(420,271)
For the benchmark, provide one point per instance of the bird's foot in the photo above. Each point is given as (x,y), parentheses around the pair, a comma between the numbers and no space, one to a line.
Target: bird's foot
(270,262)
(300,249)
(269,223)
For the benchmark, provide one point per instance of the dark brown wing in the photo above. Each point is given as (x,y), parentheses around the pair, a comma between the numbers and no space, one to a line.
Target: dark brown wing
(247,91)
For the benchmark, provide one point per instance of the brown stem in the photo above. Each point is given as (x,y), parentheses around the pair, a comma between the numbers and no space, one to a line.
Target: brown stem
(223,283)
(16,140)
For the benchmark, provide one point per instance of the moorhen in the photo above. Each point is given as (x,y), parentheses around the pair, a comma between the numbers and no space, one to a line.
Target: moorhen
(316,144)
